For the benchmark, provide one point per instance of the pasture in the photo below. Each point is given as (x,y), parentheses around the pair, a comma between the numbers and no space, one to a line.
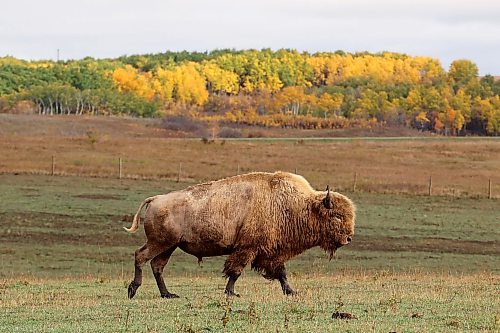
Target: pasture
(416,264)
(89,146)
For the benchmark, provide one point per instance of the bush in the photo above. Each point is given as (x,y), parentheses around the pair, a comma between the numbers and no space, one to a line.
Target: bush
(255,134)
(24,107)
(227,132)
(185,124)
(4,104)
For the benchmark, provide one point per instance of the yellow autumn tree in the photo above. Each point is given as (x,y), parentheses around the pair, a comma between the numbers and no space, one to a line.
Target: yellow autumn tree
(189,85)
(290,99)
(429,69)
(493,118)
(330,104)
(462,103)
(422,120)
(453,121)
(164,83)
(220,80)
(319,69)
(488,111)
(130,80)
(438,124)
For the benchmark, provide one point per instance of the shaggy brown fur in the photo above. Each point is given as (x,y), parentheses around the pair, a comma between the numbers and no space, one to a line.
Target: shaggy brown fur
(262,219)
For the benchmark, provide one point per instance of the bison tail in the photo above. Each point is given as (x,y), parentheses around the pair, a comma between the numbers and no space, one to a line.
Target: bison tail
(137,219)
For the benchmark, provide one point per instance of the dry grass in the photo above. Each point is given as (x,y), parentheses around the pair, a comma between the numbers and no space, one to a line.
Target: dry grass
(92,146)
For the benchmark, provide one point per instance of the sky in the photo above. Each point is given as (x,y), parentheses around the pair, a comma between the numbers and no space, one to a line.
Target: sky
(443,29)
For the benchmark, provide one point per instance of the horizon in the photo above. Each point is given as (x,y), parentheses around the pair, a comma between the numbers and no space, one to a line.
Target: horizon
(444,29)
(58,58)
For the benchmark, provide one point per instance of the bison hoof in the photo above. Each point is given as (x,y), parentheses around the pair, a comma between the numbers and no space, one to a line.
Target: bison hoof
(231,294)
(132,288)
(290,292)
(169,295)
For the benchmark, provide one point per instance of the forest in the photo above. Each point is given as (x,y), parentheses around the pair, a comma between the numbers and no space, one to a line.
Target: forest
(282,88)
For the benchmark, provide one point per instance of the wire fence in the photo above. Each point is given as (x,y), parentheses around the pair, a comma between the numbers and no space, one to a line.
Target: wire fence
(117,168)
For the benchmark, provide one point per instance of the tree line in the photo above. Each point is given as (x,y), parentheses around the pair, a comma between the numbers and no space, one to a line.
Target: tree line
(263,87)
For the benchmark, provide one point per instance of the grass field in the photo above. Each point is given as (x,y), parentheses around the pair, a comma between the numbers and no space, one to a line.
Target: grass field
(386,303)
(417,264)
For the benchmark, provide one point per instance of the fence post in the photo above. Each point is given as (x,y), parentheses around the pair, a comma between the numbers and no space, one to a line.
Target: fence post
(490,194)
(354,182)
(179,172)
(238,172)
(295,172)
(430,185)
(53,166)
(120,167)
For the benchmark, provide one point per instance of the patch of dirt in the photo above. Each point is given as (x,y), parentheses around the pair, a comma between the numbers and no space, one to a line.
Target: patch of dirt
(127,218)
(49,229)
(437,244)
(343,315)
(107,230)
(118,237)
(99,196)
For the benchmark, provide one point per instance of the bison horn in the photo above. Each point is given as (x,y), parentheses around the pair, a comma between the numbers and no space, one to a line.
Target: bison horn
(327,201)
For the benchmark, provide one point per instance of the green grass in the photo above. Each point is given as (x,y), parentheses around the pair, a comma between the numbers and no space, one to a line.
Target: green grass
(381,303)
(66,261)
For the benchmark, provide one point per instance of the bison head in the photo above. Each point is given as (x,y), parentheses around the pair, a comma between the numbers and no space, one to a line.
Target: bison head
(337,215)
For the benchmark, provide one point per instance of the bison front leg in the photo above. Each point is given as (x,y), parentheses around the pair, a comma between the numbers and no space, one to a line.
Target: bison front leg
(157,265)
(233,267)
(229,291)
(281,275)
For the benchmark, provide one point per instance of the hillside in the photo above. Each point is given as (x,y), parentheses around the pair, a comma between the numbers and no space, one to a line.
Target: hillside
(272,89)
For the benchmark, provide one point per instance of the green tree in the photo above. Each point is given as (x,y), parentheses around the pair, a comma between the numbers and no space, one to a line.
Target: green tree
(461,73)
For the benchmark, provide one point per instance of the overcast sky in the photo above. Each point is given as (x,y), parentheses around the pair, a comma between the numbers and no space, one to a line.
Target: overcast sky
(444,29)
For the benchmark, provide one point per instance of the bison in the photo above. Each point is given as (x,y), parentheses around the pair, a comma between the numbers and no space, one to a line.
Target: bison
(262,219)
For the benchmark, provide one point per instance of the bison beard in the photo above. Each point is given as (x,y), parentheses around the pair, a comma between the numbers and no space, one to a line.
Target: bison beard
(261,219)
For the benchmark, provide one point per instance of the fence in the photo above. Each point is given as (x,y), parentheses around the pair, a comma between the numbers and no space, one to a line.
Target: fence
(358,183)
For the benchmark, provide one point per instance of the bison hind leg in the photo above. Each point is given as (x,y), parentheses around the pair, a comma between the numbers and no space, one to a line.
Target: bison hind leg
(132,289)
(157,265)
(142,255)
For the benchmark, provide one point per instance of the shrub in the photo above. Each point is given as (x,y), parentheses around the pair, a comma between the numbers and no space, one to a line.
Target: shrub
(227,132)
(185,124)
(255,134)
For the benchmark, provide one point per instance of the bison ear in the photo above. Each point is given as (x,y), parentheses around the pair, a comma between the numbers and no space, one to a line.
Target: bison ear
(327,201)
